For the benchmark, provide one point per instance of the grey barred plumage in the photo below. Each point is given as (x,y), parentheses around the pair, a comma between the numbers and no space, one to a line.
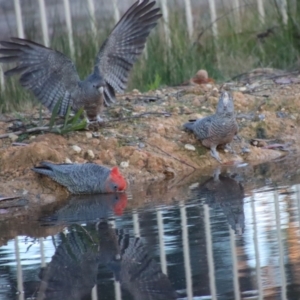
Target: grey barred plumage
(218,129)
(88,208)
(86,178)
(132,265)
(52,77)
(72,271)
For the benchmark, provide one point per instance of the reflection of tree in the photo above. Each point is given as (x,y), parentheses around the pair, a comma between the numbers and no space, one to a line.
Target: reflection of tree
(224,192)
(72,272)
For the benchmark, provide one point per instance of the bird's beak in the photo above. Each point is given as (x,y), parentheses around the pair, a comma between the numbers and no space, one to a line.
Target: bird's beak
(101,89)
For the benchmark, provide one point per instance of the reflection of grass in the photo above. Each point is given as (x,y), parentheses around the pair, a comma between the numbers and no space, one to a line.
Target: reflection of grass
(232,54)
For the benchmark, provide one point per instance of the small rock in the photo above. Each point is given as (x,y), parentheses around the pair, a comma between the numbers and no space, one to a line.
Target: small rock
(261,117)
(124,164)
(135,91)
(95,134)
(209,86)
(76,148)
(88,135)
(194,186)
(215,92)
(190,147)
(68,161)
(13,137)
(243,89)
(32,137)
(158,92)
(90,153)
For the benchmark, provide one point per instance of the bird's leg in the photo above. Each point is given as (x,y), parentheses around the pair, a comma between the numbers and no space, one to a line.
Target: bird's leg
(214,153)
(216,174)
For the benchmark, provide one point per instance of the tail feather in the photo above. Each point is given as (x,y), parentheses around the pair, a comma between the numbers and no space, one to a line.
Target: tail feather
(189,126)
(45,168)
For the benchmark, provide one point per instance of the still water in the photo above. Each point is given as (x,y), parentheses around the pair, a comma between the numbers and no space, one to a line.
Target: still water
(233,234)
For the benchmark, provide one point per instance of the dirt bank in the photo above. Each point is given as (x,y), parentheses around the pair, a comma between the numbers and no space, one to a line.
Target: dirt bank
(148,142)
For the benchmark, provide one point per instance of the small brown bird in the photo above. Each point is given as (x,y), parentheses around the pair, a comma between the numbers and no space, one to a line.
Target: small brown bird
(201,77)
(218,129)
(52,76)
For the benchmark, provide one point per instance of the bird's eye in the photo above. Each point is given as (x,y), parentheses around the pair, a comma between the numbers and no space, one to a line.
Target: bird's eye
(115,187)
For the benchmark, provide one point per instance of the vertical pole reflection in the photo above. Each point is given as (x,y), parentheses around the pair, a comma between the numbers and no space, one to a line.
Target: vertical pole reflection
(210,254)
(94,293)
(280,247)
(19,270)
(160,224)
(118,293)
(236,285)
(136,224)
(298,201)
(186,251)
(117,286)
(256,249)
(43,261)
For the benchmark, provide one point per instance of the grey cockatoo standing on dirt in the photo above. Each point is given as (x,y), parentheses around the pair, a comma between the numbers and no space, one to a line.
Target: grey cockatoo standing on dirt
(86,178)
(52,76)
(218,129)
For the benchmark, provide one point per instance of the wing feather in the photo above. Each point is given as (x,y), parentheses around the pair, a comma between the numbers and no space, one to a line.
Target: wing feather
(123,46)
(49,74)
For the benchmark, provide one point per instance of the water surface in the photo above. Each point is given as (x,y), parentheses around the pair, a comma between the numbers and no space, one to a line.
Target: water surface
(233,235)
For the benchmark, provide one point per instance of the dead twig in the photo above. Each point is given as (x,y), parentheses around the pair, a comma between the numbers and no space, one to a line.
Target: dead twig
(52,129)
(168,154)
(167,114)
(33,119)
(29,130)
(9,198)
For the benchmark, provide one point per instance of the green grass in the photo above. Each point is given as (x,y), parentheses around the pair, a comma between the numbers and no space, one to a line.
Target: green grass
(233,53)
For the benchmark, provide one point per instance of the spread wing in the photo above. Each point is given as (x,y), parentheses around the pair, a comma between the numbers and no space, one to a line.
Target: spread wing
(203,128)
(122,48)
(49,74)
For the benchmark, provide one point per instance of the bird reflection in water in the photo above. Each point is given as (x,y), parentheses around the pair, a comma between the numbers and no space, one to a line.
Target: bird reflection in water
(88,208)
(73,270)
(225,192)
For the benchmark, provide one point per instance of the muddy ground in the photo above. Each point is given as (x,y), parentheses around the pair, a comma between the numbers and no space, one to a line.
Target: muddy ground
(146,139)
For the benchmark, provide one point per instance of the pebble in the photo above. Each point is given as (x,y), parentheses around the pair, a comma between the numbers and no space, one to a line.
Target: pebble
(95,134)
(13,137)
(32,137)
(124,164)
(194,185)
(76,148)
(88,135)
(190,147)
(135,91)
(90,153)
(68,161)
